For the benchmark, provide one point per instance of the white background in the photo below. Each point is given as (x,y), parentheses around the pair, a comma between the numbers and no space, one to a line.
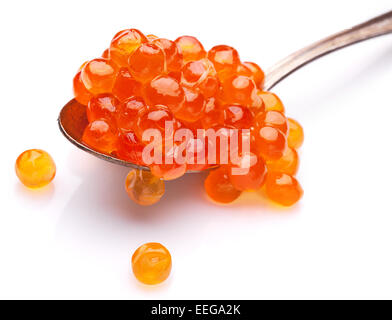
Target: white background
(75,238)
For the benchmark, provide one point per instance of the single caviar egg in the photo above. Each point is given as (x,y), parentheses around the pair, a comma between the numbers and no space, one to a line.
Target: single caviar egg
(272,118)
(35,168)
(129,148)
(190,48)
(128,112)
(98,76)
(193,106)
(295,137)
(225,59)
(238,116)
(125,85)
(283,188)
(147,62)
(172,165)
(81,94)
(151,263)
(257,73)
(143,187)
(99,135)
(103,106)
(271,101)
(238,90)
(288,163)
(219,187)
(270,142)
(173,56)
(213,115)
(124,44)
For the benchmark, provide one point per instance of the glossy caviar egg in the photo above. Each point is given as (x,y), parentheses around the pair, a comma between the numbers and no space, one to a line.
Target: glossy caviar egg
(98,76)
(257,73)
(219,187)
(129,148)
(238,116)
(283,188)
(99,136)
(164,90)
(196,154)
(272,118)
(193,106)
(173,56)
(213,115)
(103,106)
(194,72)
(147,62)
(172,166)
(128,112)
(143,187)
(190,48)
(288,163)
(151,263)
(271,101)
(124,44)
(238,90)
(125,85)
(35,168)
(224,58)
(295,136)
(248,173)
(81,94)
(270,142)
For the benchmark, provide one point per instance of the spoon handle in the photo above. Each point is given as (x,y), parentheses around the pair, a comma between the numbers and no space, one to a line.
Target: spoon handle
(375,27)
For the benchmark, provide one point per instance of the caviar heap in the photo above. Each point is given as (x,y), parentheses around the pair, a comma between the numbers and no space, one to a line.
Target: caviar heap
(146,82)
(35,168)
(151,263)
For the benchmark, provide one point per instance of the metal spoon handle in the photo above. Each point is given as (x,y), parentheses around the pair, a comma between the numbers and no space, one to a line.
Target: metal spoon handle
(375,27)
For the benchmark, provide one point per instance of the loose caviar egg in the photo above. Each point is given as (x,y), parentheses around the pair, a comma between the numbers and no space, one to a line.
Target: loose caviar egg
(103,106)
(270,142)
(125,85)
(193,106)
(283,188)
(129,148)
(295,136)
(238,116)
(151,263)
(191,48)
(173,56)
(224,58)
(219,187)
(128,112)
(238,90)
(272,118)
(35,168)
(143,187)
(98,76)
(194,72)
(164,90)
(124,44)
(82,95)
(288,163)
(147,62)
(99,136)
(271,101)
(257,73)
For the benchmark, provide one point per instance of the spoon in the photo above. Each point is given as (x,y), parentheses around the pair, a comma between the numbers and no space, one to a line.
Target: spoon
(73,119)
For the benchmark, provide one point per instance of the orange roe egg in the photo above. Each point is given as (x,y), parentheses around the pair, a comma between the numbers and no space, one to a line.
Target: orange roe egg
(248,173)
(274,119)
(125,85)
(238,116)
(35,168)
(191,48)
(271,101)
(128,112)
(147,62)
(173,56)
(194,72)
(99,135)
(219,188)
(105,54)
(82,95)
(295,136)
(282,188)
(98,76)
(144,188)
(192,108)
(164,90)
(288,163)
(257,73)
(225,59)
(213,115)
(238,90)
(124,44)
(151,263)
(270,142)
(129,148)
(196,154)
(103,106)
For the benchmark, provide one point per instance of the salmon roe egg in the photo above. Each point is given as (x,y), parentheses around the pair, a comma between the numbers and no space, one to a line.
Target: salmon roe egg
(219,187)
(257,74)
(164,90)
(35,168)
(190,48)
(225,59)
(146,62)
(98,76)
(99,136)
(81,94)
(173,56)
(128,112)
(213,115)
(271,101)
(238,90)
(143,187)
(124,44)
(283,188)
(129,148)
(125,85)
(295,136)
(151,263)
(288,163)
(274,119)
(167,171)
(192,108)
(270,142)
(103,106)
(248,173)
(238,116)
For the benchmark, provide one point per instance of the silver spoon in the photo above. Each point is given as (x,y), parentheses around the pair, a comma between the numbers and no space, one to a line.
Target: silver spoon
(73,120)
